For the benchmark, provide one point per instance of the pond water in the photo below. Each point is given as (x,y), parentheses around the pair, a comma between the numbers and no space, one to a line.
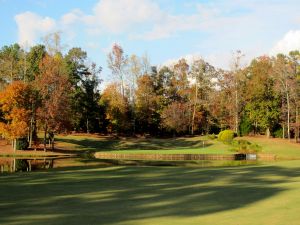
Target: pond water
(12,164)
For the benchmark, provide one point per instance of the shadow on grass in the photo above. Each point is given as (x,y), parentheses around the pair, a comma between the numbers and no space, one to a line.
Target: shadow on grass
(112,195)
(111,144)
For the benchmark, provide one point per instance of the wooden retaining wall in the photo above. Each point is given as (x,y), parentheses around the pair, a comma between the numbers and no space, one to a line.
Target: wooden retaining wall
(266,157)
(176,157)
(180,157)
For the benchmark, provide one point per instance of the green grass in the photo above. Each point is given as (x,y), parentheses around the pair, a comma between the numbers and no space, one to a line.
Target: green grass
(284,149)
(264,194)
(192,145)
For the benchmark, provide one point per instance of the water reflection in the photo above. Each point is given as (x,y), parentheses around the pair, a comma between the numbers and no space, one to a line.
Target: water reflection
(10,164)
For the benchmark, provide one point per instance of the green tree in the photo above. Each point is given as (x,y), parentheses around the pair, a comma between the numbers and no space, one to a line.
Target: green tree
(85,94)
(263,104)
(10,69)
(34,58)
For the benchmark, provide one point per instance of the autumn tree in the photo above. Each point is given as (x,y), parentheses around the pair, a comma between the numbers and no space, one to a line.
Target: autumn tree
(147,108)
(15,102)
(202,75)
(136,67)
(54,88)
(175,117)
(116,108)
(117,63)
(294,57)
(285,78)
(236,71)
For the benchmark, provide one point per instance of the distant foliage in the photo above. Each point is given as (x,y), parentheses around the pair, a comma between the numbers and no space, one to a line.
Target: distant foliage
(226,136)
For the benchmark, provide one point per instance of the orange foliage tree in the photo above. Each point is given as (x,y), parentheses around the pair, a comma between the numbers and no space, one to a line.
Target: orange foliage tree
(15,102)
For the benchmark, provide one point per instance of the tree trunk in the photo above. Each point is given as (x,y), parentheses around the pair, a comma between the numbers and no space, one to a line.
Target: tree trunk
(297,125)
(87,126)
(45,138)
(194,111)
(283,131)
(236,110)
(288,116)
(30,132)
(25,67)
(52,142)
(14,165)
(14,144)
(29,165)
(268,132)
(11,71)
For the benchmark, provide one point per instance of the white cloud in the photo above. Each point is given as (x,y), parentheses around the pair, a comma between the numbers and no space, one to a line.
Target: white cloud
(170,25)
(31,26)
(72,17)
(119,15)
(290,42)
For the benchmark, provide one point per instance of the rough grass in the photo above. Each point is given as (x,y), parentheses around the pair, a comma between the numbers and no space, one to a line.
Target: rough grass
(264,194)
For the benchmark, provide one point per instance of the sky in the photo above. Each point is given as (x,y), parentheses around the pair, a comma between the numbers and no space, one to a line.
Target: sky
(165,30)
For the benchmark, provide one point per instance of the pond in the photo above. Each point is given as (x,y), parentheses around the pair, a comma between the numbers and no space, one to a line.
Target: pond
(19,164)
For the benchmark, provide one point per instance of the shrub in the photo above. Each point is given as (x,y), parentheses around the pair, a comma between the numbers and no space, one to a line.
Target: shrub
(22,144)
(255,147)
(244,146)
(212,136)
(226,136)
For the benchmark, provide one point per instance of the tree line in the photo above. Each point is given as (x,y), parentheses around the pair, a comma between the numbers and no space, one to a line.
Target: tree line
(45,90)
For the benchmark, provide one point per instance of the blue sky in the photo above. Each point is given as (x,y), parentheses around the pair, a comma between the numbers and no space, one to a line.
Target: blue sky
(164,29)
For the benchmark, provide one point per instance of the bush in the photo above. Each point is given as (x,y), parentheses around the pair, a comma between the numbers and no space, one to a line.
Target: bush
(244,146)
(212,136)
(226,136)
(22,144)
(241,144)
(255,147)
